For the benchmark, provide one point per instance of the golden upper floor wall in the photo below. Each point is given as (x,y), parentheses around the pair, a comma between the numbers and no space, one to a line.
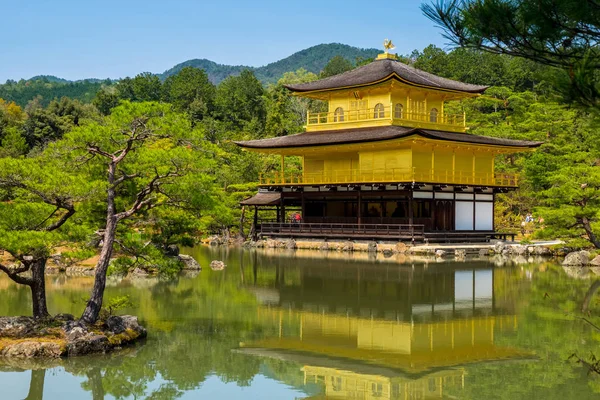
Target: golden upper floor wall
(386,92)
(388,103)
(403,161)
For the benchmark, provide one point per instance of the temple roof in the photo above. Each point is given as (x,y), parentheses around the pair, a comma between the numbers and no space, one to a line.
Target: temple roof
(381,70)
(262,199)
(375,134)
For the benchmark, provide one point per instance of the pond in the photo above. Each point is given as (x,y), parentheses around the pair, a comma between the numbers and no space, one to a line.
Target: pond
(295,325)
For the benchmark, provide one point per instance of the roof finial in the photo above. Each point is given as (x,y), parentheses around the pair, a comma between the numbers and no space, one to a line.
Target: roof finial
(388,45)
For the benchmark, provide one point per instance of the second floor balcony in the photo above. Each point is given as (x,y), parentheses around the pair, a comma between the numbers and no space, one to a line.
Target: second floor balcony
(395,175)
(381,115)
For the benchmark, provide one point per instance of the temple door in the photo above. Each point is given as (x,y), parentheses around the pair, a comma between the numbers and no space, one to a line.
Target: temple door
(444,217)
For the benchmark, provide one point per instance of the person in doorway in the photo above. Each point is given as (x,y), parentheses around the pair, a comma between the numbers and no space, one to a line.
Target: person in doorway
(297,218)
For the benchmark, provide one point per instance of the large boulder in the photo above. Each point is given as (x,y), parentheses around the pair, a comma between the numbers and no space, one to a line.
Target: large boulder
(75,330)
(122,323)
(348,246)
(577,258)
(90,343)
(460,254)
(189,262)
(290,244)
(440,253)
(323,246)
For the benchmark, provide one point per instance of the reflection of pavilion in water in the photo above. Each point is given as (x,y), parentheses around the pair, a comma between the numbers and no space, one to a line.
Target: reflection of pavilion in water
(417,325)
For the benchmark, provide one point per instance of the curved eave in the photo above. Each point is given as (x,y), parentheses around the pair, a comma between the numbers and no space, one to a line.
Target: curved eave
(308,92)
(460,138)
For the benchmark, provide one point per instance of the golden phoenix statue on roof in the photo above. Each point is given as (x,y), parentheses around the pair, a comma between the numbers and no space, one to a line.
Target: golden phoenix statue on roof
(388,45)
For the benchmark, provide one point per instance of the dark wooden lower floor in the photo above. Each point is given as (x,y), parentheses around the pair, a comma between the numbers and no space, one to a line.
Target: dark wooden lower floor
(395,232)
(436,213)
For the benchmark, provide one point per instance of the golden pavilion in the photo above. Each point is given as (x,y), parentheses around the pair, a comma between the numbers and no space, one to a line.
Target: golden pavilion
(386,161)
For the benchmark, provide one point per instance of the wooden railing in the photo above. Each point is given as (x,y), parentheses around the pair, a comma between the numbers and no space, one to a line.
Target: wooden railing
(386,113)
(392,175)
(396,231)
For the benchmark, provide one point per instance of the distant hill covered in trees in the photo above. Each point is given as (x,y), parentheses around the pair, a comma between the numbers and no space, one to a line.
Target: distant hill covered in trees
(47,88)
(312,59)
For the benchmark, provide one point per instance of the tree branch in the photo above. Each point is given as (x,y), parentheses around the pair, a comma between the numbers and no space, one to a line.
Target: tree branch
(70,211)
(14,274)
(142,199)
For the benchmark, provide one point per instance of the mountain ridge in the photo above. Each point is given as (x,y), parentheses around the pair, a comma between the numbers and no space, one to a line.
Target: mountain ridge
(313,59)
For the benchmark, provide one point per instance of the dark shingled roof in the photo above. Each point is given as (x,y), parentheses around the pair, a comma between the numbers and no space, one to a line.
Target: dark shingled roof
(262,199)
(375,134)
(380,70)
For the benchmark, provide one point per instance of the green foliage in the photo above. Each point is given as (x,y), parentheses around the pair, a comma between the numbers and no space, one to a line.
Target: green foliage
(46,90)
(190,91)
(45,125)
(335,66)
(240,102)
(117,303)
(106,99)
(562,34)
(173,226)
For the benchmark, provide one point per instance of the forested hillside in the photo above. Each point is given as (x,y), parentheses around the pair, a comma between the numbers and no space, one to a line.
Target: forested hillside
(522,103)
(47,88)
(312,59)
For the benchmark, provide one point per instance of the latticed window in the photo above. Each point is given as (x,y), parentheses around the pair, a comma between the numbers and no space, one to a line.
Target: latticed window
(338,115)
(379,111)
(398,110)
(433,115)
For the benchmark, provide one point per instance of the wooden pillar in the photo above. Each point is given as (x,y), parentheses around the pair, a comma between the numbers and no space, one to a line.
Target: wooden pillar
(303,206)
(434,211)
(442,118)
(282,208)
(359,214)
(254,229)
(410,207)
(473,167)
(433,163)
(453,165)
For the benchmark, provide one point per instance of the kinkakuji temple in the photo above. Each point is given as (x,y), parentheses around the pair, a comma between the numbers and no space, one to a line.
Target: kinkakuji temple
(386,161)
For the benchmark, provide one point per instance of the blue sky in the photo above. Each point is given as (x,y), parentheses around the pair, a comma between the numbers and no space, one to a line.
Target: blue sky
(112,39)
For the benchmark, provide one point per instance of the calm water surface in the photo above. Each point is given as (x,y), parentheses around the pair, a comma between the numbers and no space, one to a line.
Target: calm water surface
(279,325)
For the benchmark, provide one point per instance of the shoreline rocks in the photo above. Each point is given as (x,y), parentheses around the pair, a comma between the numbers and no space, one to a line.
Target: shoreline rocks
(63,336)
(189,263)
(577,259)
